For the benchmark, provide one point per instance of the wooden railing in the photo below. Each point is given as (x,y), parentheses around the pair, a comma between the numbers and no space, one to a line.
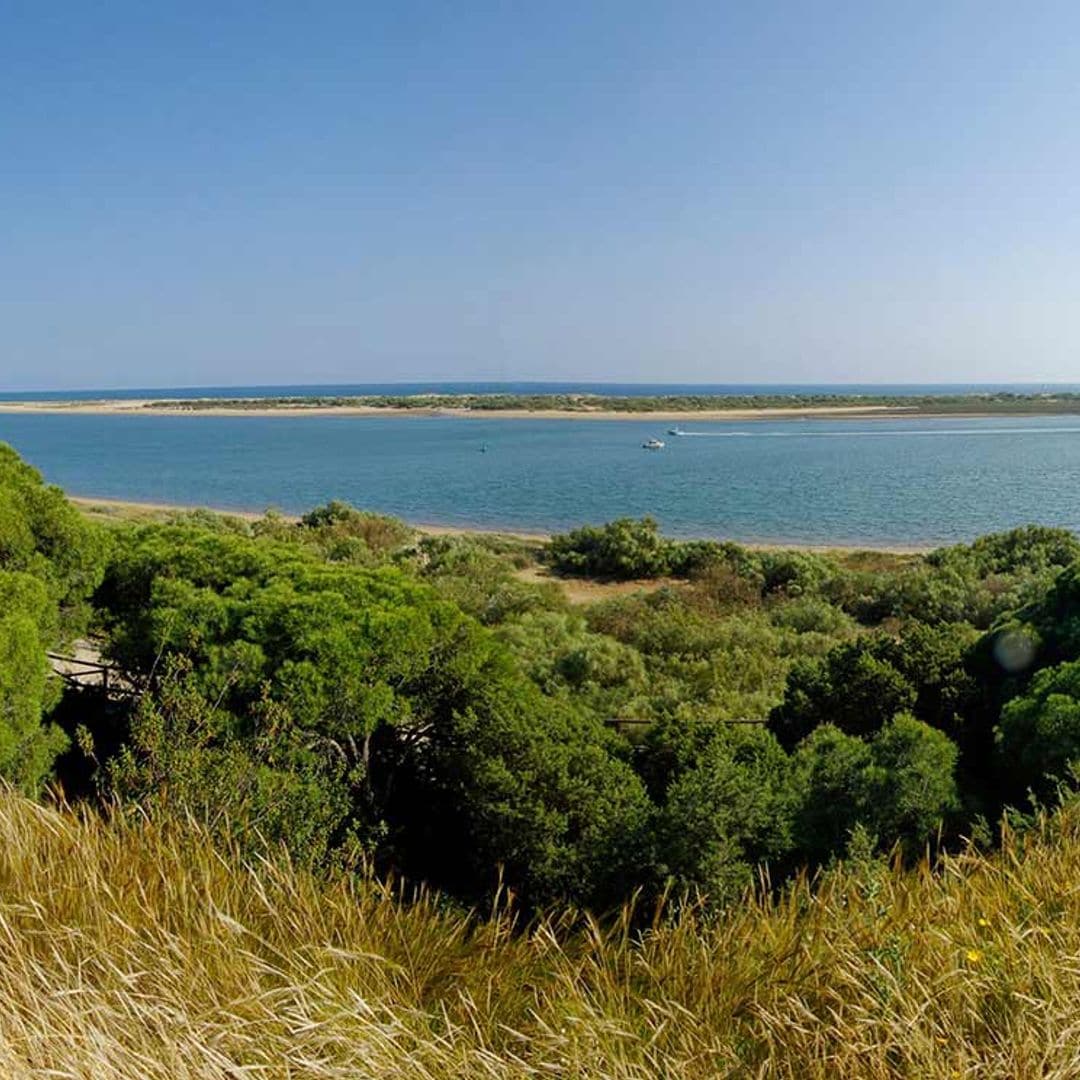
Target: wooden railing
(90,674)
(622,723)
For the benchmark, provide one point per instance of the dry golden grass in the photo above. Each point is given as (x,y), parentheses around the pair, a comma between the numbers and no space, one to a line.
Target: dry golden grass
(135,950)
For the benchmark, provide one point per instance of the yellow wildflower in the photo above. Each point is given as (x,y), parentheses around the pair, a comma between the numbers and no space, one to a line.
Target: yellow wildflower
(974,956)
(984,923)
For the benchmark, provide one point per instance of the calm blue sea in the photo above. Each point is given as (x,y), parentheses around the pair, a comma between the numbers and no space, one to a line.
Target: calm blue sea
(812,481)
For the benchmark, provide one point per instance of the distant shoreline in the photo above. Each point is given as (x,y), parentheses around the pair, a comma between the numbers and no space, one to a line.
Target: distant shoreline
(661,409)
(122,407)
(134,509)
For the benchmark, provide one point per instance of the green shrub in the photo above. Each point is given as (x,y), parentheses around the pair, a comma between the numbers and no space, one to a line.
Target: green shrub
(727,805)
(621,549)
(900,785)
(852,688)
(811,614)
(386,698)
(50,561)
(1039,733)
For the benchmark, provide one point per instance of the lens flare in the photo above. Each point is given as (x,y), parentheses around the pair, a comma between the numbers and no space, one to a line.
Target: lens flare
(1014,650)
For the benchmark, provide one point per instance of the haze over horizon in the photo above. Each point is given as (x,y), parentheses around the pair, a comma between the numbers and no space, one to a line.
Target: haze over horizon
(555,386)
(634,192)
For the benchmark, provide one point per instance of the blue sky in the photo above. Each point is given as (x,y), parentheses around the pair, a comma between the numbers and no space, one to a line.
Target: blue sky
(224,193)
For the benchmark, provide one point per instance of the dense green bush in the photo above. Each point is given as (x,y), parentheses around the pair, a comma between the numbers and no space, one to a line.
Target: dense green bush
(50,561)
(450,761)
(431,706)
(1031,548)
(734,666)
(28,743)
(627,549)
(1053,621)
(900,784)
(339,528)
(621,549)
(184,756)
(795,573)
(853,688)
(812,615)
(860,684)
(728,806)
(561,655)
(1039,732)
(42,534)
(479,578)
(974,583)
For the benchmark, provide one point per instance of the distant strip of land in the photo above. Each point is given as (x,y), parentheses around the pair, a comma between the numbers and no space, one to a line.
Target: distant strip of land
(579,406)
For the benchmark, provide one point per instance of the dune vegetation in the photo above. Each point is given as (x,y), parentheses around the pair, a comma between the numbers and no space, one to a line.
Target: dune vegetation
(922,404)
(137,948)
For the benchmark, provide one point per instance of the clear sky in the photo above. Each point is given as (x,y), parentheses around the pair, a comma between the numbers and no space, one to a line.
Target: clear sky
(226,193)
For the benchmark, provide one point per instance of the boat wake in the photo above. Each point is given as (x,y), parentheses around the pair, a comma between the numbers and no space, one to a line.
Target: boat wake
(875,434)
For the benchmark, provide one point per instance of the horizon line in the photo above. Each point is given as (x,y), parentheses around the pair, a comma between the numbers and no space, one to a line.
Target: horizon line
(532,382)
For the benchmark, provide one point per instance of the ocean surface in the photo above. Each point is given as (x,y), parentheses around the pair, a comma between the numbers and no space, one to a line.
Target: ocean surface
(872,482)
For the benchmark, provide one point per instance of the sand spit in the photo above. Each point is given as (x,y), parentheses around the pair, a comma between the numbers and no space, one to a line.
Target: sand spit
(163,407)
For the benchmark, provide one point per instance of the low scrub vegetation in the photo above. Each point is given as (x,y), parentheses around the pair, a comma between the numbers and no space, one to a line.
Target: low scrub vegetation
(995,402)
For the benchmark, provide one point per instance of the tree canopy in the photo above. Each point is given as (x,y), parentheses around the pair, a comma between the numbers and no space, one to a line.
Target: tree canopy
(440,708)
(50,561)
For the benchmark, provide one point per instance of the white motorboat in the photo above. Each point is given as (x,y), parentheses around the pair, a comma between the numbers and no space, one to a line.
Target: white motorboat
(652,444)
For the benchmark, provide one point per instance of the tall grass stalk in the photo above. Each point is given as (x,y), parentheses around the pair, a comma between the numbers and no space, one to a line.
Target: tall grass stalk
(135,949)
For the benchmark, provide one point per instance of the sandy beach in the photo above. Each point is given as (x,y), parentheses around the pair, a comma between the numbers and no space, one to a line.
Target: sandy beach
(147,407)
(135,510)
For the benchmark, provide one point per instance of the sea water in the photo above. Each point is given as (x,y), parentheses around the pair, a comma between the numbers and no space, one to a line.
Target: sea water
(819,481)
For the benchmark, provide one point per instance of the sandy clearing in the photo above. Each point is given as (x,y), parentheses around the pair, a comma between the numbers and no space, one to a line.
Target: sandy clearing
(590,590)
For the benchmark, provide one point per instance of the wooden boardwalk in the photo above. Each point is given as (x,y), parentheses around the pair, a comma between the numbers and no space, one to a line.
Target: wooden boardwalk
(623,724)
(85,670)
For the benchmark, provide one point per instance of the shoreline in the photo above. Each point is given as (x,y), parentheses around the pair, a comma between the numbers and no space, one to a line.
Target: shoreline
(134,508)
(181,407)
(145,407)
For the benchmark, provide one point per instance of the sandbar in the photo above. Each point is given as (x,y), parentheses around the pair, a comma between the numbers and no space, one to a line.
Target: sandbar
(150,407)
